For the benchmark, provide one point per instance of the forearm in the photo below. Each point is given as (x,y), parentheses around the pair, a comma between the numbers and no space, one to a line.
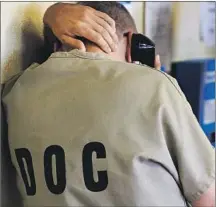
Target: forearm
(207,199)
(47,19)
(47,15)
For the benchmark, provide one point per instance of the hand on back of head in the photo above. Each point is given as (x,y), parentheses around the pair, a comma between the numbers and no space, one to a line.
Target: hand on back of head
(68,21)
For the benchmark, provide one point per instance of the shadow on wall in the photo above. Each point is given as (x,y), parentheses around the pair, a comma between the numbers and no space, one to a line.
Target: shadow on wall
(30,49)
(33,46)
(31,42)
(32,37)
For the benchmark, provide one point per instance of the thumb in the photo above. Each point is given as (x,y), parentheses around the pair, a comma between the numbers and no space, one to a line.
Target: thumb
(70,41)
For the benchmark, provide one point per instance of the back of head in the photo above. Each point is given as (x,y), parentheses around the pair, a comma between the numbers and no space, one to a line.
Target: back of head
(123,19)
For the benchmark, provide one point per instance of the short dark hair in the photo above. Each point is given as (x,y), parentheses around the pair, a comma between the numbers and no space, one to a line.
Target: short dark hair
(123,20)
(117,11)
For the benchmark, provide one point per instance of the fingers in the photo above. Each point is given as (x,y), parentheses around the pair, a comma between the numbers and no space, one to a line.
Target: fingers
(106,32)
(68,40)
(157,62)
(94,32)
(106,18)
(107,27)
(110,27)
(97,38)
(85,22)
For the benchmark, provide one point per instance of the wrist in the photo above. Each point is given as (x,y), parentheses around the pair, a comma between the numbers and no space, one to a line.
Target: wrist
(54,10)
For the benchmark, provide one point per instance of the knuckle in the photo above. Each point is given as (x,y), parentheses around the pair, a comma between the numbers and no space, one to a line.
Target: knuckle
(88,9)
(85,13)
(106,27)
(84,16)
(96,37)
(92,35)
(81,17)
(99,39)
(77,24)
(104,33)
(101,30)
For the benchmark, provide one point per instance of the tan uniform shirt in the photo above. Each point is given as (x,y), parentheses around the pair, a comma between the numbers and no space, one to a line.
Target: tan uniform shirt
(85,130)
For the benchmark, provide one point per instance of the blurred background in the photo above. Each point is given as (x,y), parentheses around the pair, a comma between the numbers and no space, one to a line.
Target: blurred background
(184,34)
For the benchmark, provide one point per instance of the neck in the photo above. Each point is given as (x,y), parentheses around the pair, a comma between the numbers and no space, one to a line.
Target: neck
(113,55)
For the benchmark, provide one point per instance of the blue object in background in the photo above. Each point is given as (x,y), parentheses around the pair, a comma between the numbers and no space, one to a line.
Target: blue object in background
(197,80)
(163,69)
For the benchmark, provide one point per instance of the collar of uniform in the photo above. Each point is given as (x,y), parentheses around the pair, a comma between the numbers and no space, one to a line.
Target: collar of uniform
(80,54)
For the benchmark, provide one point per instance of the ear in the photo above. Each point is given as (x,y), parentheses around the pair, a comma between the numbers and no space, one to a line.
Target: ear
(128,49)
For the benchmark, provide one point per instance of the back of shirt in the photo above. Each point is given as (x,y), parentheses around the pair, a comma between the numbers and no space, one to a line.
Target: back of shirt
(88,131)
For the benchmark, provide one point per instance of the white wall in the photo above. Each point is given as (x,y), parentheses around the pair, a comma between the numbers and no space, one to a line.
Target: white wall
(21,35)
(21,39)
(186,27)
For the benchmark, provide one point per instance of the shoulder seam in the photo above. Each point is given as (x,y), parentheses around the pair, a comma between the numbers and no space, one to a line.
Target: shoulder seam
(167,77)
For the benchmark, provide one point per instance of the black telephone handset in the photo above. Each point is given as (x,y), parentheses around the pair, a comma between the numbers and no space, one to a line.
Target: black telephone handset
(142,50)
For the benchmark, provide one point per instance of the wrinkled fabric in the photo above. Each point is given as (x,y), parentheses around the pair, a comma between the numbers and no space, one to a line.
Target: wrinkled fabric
(85,130)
